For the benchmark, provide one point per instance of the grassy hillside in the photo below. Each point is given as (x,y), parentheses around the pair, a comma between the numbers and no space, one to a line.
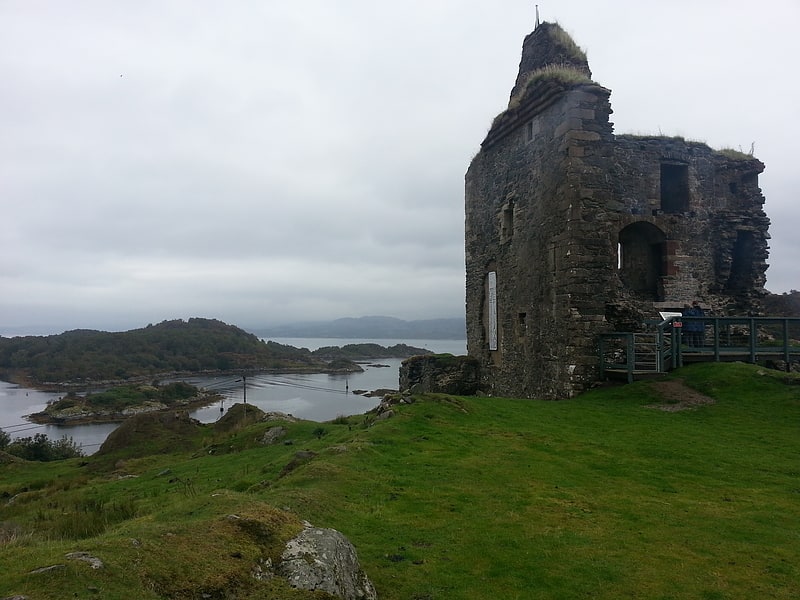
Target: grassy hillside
(642,491)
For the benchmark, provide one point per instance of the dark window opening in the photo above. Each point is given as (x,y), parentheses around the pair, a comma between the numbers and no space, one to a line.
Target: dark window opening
(742,259)
(733,187)
(642,259)
(750,179)
(529,131)
(674,188)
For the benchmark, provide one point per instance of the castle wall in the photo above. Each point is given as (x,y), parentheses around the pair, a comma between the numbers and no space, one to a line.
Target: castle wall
(721,204)
(525,222)
(585,232)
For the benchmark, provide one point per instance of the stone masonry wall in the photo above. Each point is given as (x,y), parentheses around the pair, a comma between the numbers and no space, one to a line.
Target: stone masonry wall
(588,232)
(524,224)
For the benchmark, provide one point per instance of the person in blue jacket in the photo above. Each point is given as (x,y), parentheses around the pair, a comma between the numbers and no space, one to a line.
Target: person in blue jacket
(694,330)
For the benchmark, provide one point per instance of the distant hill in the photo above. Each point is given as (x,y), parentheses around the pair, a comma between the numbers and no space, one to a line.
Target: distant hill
(196,345)
(193,346)
(376,328)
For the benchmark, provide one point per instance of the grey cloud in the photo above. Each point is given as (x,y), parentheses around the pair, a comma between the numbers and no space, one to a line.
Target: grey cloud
(279,161)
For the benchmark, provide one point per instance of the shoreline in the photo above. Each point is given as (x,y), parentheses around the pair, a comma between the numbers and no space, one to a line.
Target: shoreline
(23,380)
(90,417)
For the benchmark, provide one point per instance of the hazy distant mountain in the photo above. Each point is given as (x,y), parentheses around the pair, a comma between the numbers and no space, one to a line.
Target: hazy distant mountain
(378,328)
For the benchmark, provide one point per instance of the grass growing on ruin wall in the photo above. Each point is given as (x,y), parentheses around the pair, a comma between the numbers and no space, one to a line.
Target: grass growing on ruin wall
(734,154)
(613,494)
(564,74)
(565,41)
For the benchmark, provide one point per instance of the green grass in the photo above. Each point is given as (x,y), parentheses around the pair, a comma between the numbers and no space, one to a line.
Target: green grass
(602,496)
(566,42)
(564,74)
(734,154)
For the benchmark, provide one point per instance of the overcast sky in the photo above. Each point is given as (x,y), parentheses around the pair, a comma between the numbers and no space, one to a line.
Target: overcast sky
(268,161)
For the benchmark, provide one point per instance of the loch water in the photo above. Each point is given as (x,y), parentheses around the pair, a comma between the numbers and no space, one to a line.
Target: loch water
(315,396)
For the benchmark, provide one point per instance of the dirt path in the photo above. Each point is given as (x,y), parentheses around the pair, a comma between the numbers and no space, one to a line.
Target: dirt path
(678,396)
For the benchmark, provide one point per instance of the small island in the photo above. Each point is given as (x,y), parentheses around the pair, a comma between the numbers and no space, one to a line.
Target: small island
(109,376)
(123,401)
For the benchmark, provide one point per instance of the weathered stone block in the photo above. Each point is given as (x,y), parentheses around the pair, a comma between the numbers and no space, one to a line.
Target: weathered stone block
(581,135)
(441,373)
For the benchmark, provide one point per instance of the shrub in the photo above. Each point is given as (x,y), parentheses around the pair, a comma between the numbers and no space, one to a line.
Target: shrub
(43,449)
(179,390)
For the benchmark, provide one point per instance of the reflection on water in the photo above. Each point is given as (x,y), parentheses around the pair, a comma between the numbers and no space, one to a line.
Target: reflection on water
(16,402)
(317,396)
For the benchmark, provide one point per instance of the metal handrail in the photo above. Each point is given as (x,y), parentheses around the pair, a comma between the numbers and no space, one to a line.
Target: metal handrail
(730,337)
(669,351)
(629,353)
(745,342)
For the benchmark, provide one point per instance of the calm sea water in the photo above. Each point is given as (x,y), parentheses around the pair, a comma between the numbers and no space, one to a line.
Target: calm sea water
(317,397)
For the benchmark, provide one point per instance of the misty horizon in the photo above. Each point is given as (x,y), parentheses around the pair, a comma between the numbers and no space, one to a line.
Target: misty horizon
(45,330)
(278,162)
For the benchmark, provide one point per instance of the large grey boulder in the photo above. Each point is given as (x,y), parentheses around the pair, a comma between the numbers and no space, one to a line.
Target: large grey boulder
(325,560)
(273,434)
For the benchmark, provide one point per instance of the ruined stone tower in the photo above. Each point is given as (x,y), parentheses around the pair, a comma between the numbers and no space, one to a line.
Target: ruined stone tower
(572,230)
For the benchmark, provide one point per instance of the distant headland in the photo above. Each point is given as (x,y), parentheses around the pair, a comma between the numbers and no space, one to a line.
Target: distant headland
(86,358)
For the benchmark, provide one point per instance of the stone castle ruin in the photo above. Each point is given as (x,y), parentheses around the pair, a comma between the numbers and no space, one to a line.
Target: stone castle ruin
(573,231)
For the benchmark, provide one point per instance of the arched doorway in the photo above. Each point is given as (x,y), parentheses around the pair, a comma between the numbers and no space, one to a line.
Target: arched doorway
(641,259)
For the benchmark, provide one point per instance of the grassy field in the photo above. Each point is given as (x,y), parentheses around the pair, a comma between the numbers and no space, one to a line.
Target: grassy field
(616,494)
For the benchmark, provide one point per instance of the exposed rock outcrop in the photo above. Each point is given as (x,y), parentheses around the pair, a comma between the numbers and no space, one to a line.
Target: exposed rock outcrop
(325,560)
(273,434)
(93,561)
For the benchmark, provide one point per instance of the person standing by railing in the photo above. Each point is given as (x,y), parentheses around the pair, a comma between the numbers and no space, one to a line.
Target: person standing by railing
(699,326)
(694,329)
